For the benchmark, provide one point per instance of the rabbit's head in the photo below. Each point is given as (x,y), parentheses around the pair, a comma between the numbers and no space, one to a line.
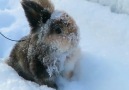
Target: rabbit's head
(60,31)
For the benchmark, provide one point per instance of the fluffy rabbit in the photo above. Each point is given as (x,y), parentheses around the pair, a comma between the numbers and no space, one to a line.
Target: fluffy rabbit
(51,49)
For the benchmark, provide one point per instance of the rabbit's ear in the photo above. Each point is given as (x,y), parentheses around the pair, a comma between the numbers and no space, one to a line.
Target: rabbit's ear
(35,13)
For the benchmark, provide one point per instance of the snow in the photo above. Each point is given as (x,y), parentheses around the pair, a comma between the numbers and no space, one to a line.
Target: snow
(104,64)
(56,15)
(119,6)
(12,22)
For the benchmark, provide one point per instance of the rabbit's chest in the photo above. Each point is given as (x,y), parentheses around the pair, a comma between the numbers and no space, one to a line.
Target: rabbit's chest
(55,63)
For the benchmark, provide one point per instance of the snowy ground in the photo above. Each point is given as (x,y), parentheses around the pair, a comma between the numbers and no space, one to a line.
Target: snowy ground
(104,42)
(119,6)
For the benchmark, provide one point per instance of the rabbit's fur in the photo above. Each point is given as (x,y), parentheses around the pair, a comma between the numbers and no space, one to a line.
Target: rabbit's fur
(51,48)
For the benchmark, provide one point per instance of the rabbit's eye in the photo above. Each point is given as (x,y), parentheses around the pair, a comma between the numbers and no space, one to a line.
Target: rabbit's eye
(58,30)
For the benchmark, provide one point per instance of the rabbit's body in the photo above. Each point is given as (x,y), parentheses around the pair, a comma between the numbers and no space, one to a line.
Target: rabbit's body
(50,50)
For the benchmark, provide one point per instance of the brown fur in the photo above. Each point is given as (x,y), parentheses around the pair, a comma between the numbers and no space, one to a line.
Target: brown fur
(46,4)
(47,43)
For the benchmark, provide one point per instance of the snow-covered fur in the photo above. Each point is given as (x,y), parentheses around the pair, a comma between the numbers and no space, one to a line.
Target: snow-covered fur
(51,49)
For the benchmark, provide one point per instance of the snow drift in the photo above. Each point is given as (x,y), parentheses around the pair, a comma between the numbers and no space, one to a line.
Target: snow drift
(119,6)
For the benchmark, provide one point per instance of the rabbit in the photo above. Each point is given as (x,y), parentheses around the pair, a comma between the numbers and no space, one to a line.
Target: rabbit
(52,47)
